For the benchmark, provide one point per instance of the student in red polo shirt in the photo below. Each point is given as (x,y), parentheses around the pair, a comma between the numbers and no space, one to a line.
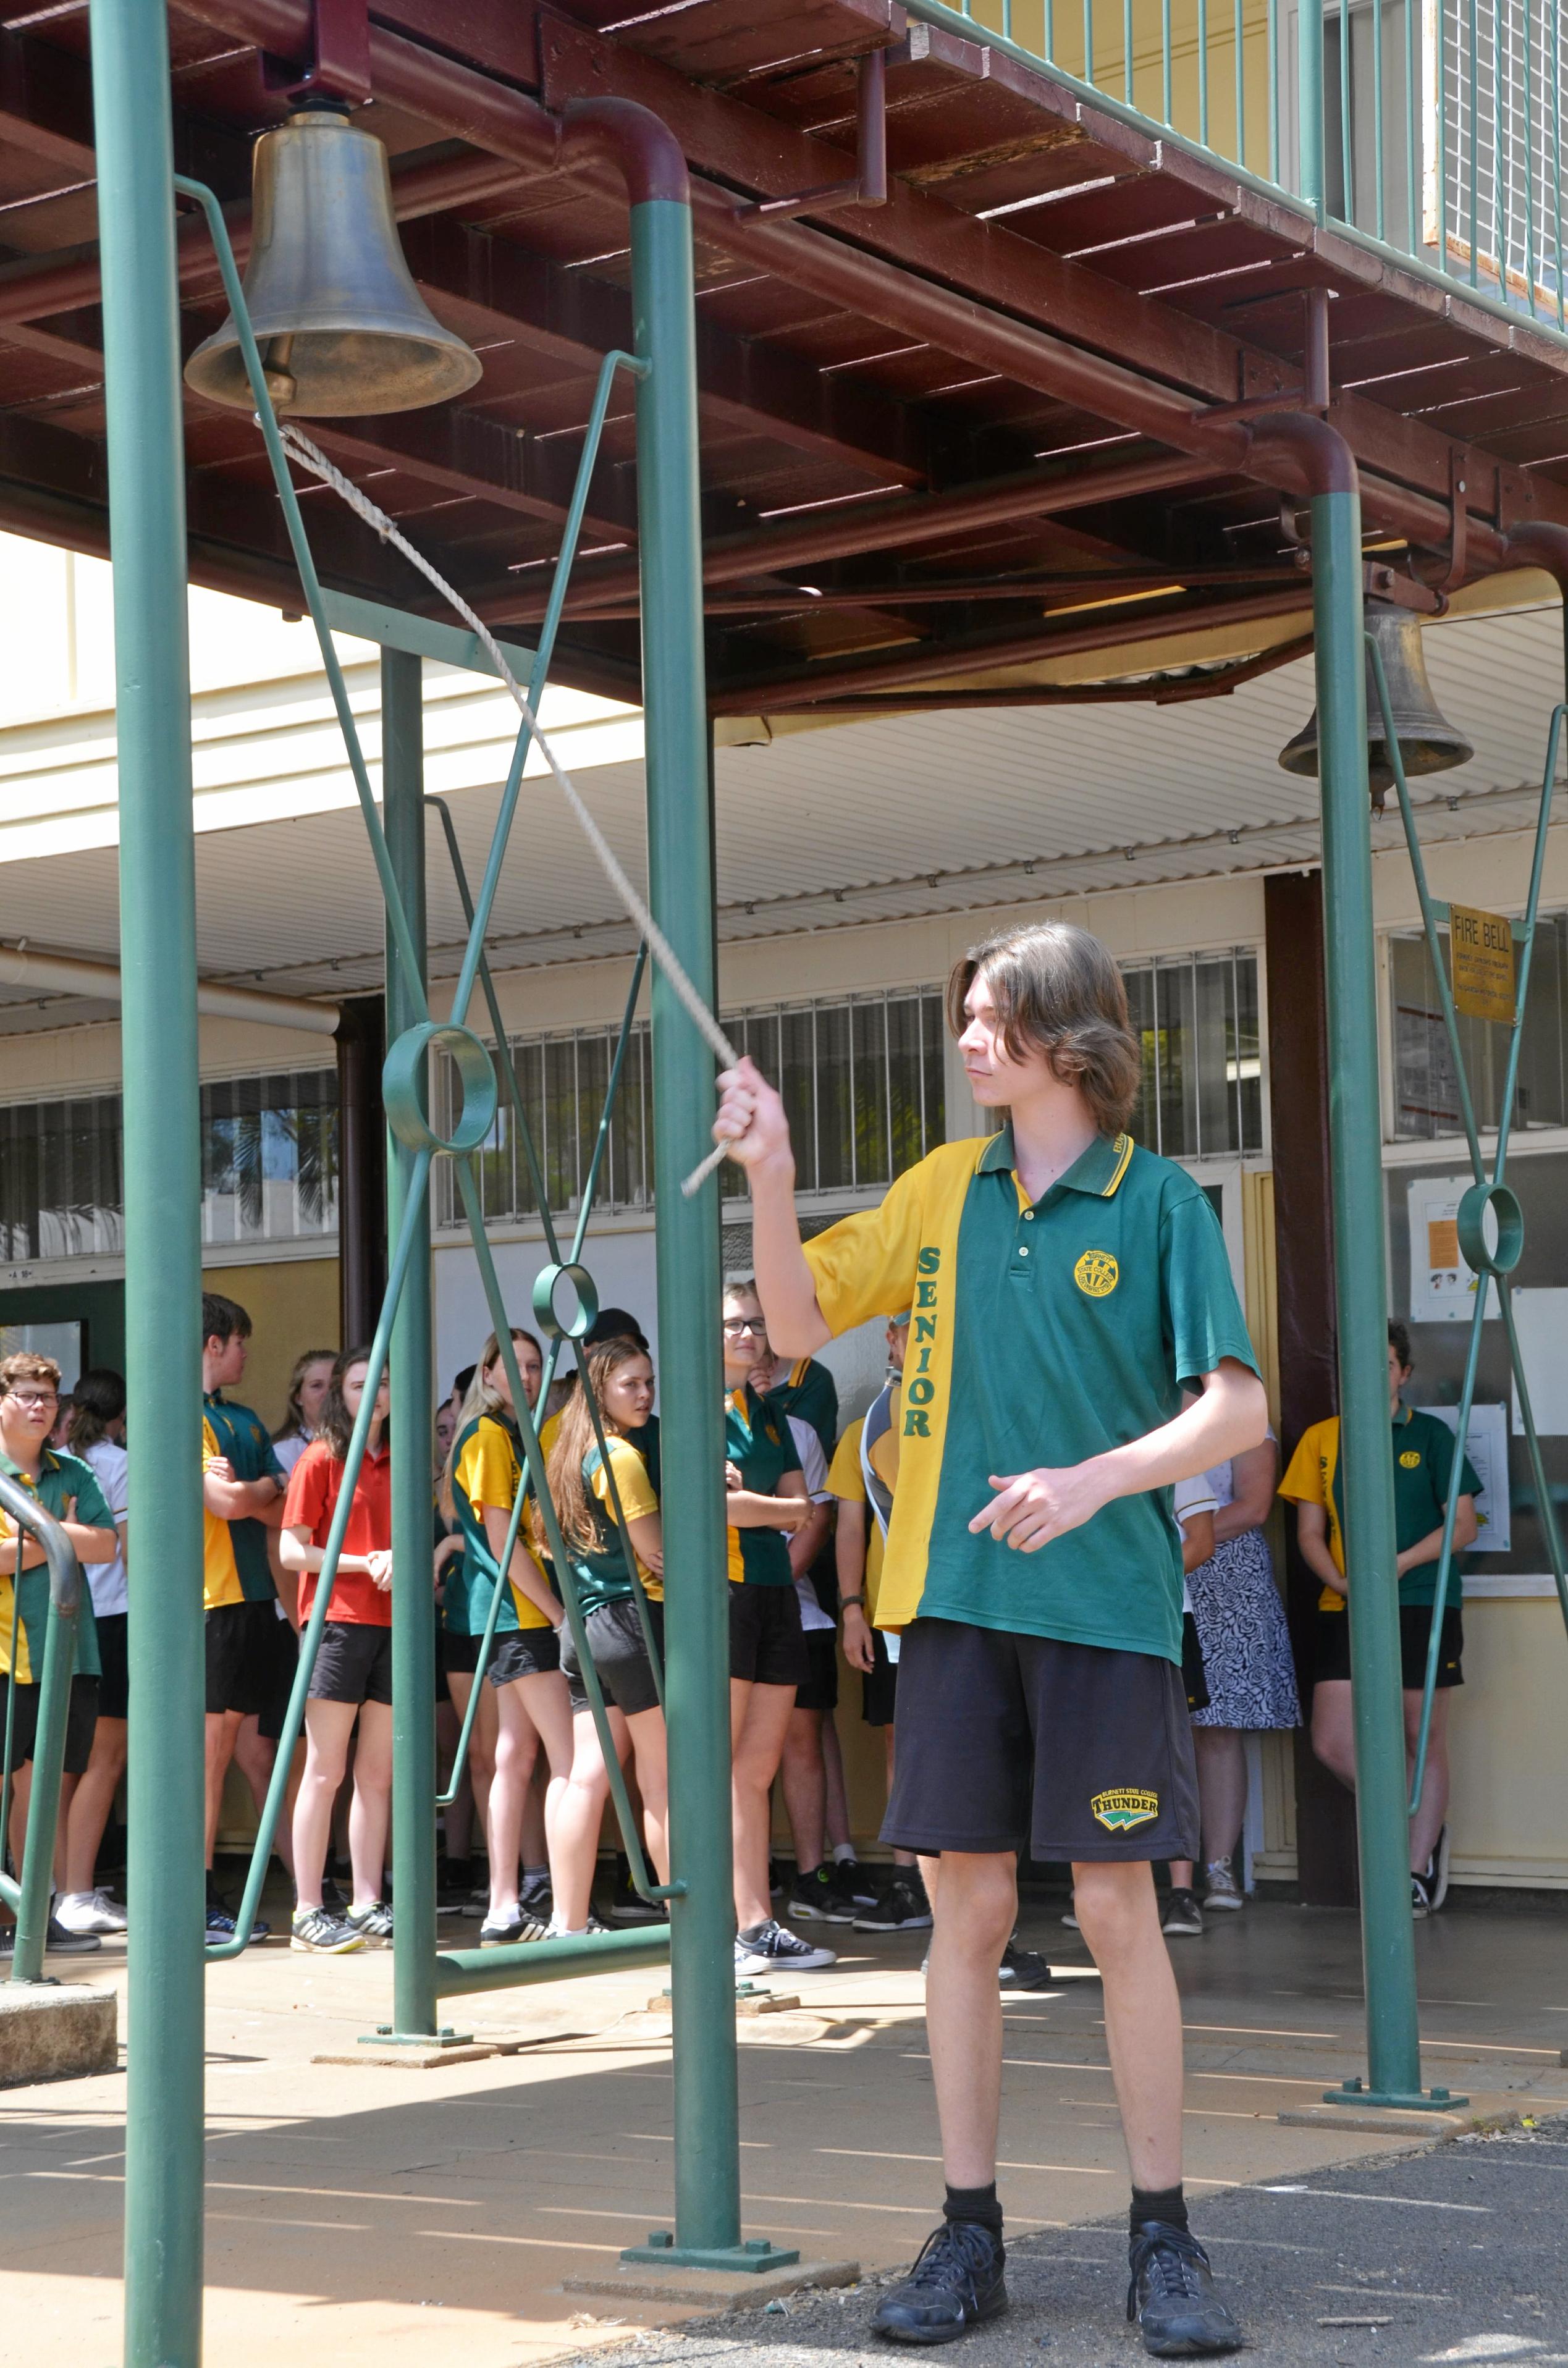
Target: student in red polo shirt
(352,1677)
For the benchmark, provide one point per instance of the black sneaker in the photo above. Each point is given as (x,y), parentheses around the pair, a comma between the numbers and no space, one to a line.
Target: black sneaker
(373,1923)
(1437,1874)
(956,2282)
(1172,2295)
(454,1882)
(819,1898)
(772,1949)
(331,1897)
(1420,1897)
(904,1908)
(1023,1969)
(511,1925)
(317,1932)
(856,1881)
(57,1940)
(537,1900)
(1182,1914)
(222,1926)
(629,1906)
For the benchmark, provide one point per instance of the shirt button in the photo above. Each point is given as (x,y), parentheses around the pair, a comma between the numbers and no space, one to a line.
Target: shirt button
(1023,1253)
(1028,1216)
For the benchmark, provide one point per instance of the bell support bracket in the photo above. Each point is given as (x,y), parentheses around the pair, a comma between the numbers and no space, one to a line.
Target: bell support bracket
(339,66)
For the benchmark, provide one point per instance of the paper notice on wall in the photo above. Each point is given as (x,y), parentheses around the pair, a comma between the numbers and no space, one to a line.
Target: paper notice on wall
(1442,1287)
(1541,1317)
(1487,1444)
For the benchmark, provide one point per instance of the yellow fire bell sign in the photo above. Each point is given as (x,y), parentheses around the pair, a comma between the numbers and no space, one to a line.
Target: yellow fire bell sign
(1481,948)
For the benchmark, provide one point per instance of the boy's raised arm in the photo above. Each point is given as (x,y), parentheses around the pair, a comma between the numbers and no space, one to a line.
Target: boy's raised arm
(752,1115)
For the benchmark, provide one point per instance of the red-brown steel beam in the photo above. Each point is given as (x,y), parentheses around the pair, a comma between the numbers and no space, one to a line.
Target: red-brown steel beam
(824,685)
(900,523)
(470,107)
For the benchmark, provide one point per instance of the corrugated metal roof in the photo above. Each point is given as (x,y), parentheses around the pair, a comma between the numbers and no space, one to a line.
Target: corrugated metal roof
(882,819)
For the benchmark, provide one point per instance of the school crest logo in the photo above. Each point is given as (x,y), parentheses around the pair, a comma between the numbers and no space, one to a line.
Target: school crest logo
(1124,1807)
(1409,1459)
(1097,1274)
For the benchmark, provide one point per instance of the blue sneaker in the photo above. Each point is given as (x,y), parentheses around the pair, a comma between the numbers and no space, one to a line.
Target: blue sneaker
(1172,2295)
(222,1927)
(956,2282)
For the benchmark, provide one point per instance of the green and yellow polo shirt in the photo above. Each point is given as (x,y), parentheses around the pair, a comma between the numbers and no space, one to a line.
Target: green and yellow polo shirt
(809,1393)
(758,1443)
(61,1480)
(1424,1451)
(1041,1333)
(244,1438)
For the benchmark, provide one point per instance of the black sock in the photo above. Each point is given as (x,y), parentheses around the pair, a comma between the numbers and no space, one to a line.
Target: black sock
(1166,2203)
(974,2204)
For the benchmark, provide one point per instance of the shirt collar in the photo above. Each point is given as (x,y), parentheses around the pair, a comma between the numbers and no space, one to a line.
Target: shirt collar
(1097,1171)
(1403,1416)
(48,1462)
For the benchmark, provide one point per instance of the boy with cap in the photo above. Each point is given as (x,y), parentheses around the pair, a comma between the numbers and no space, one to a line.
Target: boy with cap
(1065,1286)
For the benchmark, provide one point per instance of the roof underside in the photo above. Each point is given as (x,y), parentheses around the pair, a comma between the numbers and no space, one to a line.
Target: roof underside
(911,459)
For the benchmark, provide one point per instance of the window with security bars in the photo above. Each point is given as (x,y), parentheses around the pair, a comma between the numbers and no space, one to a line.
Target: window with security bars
(861,1077)
(1195,1018)
(1497,86)
(268,1167)
(1426,1088)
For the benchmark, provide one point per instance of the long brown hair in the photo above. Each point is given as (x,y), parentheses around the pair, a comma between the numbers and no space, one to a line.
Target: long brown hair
(336,1422)
(480,1397)
(575,1509)
(1057,991)
(293,1421)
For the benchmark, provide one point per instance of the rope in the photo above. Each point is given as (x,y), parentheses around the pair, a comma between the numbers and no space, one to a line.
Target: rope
(311,458)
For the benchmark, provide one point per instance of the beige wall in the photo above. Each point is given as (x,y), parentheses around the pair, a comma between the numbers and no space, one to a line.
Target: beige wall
(1508,1741)
(292,1305)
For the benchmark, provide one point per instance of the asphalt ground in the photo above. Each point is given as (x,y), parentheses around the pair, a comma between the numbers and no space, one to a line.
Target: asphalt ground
(1458,2253)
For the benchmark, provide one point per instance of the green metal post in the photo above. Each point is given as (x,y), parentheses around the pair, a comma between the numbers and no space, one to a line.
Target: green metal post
(1361,1300)
(691,1379)
(1312,161)
(162,1179)
(413,1629)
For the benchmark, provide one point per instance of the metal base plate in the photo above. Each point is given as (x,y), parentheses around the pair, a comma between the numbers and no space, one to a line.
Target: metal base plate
(757,2253)
(1399,2101)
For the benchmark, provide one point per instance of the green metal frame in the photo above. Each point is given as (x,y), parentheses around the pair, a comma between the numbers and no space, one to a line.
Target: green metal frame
(163,2233)
(28,1898)
(1492,1260)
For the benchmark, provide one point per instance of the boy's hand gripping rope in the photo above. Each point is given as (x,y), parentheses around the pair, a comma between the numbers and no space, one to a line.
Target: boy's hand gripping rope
(310,456)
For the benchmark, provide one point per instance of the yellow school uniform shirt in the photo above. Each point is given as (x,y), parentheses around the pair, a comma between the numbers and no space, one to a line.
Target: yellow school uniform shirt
(636,1491)
(488,1470)
(220,1571)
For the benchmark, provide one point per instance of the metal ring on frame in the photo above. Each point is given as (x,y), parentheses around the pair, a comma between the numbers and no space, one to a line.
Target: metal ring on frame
(403,1078)
(1510,1219)
(546,1283)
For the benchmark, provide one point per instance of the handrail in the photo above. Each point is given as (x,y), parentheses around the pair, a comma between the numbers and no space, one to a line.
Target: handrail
(29,1898)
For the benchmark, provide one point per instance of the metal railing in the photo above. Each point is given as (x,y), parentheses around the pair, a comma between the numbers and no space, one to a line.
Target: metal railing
(1428,129)
(29,1896)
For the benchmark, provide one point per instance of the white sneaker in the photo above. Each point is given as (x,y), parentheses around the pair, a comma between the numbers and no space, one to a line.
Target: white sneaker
(1221,1887)
(88,1911)
(777,1949)
(1071,1920)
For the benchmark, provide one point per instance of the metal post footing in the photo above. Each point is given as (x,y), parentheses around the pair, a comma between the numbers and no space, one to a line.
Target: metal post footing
(755,2253)
(384,2035)
(1401,2100)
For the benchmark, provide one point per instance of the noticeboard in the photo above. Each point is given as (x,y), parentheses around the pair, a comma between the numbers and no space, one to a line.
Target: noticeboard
(1481,950)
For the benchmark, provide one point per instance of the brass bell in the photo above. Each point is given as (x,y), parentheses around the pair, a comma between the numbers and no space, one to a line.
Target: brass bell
(341,326)
(1428,742)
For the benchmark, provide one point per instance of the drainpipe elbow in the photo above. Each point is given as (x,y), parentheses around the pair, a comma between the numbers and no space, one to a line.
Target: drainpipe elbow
(641,146)
(1324,460)
(1538,543)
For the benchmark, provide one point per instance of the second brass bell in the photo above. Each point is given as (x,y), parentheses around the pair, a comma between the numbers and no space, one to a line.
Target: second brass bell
(1427,741)
(341,328)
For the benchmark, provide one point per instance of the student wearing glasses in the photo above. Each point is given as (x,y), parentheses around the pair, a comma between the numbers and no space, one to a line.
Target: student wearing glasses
(65,1487)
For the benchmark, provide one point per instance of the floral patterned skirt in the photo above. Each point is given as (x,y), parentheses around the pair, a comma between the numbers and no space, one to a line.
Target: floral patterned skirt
(1246,1645)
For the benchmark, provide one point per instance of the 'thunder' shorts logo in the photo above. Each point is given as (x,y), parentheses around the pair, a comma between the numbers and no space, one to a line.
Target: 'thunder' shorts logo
(1124,1807)
(1096,1273)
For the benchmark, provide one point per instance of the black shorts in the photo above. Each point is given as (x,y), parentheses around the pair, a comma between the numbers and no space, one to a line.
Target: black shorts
(353,1664)
(459,1654)
(524,1653)
(114,1685)
(766,1645)
(620,1654)
(1332,1658)
(279,1652)
(878,1687)
(1005,1740)
(820,1688)
(1192,1675)
(81,1720)
(245,1646)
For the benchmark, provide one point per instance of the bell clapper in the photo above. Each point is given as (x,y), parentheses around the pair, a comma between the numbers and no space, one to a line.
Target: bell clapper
(281,382)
